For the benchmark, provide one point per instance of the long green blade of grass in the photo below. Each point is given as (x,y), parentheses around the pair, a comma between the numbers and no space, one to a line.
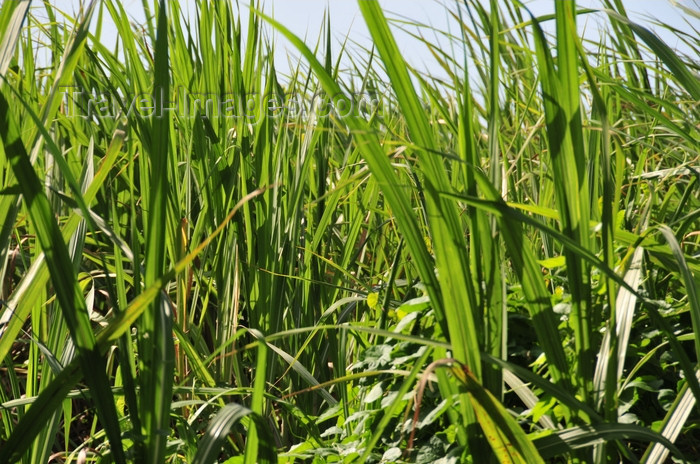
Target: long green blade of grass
(459,303)
(560,89)
(452,262)
(508,440)
(53,394)
(12,15)
(60,266)
(9,204)
(670,58)
(26,294)
(381,167)
(581,437)
(156,351)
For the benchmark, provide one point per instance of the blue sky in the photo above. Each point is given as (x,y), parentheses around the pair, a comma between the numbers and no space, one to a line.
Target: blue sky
(305,17)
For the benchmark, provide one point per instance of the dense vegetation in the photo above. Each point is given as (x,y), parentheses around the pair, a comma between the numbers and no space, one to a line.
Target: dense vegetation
(498,262)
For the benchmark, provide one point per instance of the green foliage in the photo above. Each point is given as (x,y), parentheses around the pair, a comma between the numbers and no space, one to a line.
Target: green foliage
(364,265)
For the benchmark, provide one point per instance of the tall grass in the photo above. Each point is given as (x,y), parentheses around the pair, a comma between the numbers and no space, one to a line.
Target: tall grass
(260,283)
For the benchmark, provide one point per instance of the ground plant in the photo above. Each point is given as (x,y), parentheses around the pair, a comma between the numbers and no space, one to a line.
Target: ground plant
(206,259)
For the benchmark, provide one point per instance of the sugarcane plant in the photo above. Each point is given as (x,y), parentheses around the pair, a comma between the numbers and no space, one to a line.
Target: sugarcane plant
(207,256)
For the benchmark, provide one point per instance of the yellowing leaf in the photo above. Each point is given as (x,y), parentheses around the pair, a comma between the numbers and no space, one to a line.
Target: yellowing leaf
(372,300)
